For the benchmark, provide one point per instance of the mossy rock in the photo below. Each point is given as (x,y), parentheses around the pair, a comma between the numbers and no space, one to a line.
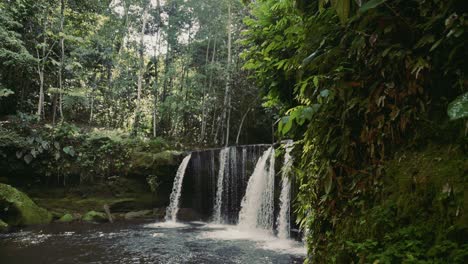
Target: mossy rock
(145,162)
(3,226)
(168,157)
(139,214)
(93,216)
(66,218)
(17,209)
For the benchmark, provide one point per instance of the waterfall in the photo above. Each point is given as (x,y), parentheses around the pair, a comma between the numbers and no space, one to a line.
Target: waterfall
(171,211)
(283,221)
(219,191)
(257,205)
(231,207)
(244,161)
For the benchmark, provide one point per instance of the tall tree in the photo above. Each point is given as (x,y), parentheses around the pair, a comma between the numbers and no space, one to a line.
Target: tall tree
(227,92)
(141,67)
(43,51)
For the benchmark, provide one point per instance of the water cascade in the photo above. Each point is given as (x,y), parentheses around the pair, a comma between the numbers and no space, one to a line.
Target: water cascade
(173,208)
(283,221)
(238,186)
(257,205)
(223,155)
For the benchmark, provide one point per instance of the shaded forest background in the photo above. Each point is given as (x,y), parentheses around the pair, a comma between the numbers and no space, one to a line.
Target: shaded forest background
(152,68)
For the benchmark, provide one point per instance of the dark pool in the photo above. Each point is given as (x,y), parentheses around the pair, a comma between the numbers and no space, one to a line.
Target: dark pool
(138,242)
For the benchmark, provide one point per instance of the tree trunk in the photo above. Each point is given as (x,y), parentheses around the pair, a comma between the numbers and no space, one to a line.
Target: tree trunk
(203,124)
(227,94)
(140,71)
(40,70)
(91,107)
(62,58)
(210,89)
(41,92)
(156,75)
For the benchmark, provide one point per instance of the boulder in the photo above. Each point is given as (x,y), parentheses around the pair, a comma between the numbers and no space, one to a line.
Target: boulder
(139,214)
(17,209)
(3,226)
(123,205)
(66,218)
(93,216)
(144,163)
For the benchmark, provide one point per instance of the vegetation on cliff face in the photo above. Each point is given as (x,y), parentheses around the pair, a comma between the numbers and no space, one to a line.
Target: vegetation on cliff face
(357,81)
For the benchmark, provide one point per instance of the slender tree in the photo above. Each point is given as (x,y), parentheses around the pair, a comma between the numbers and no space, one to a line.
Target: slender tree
(141,67)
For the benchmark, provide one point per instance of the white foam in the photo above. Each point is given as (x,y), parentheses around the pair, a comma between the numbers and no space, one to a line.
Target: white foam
(167,224)
(198,223)
(262,238)
(157,235)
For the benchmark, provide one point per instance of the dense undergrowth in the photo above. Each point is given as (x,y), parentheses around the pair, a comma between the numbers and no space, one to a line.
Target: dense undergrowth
(364,88)
(66,149)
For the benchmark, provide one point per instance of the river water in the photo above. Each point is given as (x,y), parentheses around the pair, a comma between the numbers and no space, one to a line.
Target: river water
(144,242)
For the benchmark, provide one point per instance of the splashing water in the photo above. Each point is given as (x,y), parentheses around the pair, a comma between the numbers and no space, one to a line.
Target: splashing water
(219,191)
(257,205)
(283,221)
(173,208)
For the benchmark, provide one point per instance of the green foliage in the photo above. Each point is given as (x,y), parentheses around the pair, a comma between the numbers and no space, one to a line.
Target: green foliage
(65,149)
(370,5)
(153,183)
(353,89)
(5,92)
(458,108)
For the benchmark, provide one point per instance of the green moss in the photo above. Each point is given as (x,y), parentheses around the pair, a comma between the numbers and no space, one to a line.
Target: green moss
(147,162)
(66,218)
(418,215)
(428,182)
(93,216)
(168,157)
(80,205)
(19,209)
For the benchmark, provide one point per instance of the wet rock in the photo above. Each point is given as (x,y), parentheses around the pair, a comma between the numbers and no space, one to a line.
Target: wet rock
(188,214)
(17,209)
(66,218)
(159,213)
(139,214)
(3,227)
(123,205)
(93,216)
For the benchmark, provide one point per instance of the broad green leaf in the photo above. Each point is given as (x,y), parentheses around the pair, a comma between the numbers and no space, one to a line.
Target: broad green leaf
(458,108)
(325,93)
(28,158)
(329,180)
(436,45)
(342,8)
(287,124)
(370,5)
(5,92)
(316,81)
(69,150)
